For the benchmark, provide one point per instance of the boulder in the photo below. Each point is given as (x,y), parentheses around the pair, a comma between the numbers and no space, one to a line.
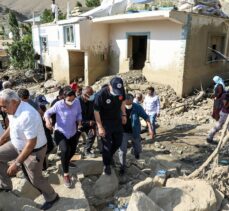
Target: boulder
(24,188)
(171,199)
(70,198)
(50,84)
(157,165)
(140,202)
(90,166)
(9,201)
(106,185)
(144,186)
(196,195)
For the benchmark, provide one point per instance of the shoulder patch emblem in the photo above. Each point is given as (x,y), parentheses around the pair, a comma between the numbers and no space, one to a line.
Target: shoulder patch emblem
(119,85)
(108,101)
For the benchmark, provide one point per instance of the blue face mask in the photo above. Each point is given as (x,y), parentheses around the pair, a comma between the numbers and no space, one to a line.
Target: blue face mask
(92,97)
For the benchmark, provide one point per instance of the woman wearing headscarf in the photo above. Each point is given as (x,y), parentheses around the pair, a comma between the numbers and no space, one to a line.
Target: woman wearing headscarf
(219,90)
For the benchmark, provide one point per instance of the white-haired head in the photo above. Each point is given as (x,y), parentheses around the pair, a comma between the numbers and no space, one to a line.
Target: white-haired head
(9,95)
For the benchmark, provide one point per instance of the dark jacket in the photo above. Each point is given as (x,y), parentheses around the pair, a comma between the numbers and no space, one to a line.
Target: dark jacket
(136,113)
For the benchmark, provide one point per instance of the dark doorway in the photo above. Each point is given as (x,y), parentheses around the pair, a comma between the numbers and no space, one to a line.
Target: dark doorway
(137,49)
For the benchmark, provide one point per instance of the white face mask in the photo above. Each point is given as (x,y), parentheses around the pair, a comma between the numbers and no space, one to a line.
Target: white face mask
(129,106)
(69,103)
(92,97)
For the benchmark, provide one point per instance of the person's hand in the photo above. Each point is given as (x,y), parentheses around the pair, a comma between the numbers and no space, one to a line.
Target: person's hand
(92,123)
(48,125)
(102,132)
(124,120)
(12,170)
(151,133)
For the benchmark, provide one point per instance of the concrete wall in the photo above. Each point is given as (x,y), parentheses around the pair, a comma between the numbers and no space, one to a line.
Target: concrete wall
(94,42)
(57,55)
(166,50)
(197,69)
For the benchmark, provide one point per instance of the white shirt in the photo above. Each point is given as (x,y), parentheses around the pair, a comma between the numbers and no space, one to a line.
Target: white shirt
(26,124)
(53,8)
(151,104)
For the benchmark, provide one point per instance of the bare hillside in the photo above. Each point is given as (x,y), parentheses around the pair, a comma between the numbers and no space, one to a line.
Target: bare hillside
(26,7)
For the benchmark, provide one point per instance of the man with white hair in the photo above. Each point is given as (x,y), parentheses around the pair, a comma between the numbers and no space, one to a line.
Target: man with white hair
(27,146)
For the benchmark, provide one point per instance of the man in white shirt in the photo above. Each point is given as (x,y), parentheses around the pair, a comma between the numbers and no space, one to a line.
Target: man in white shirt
(54,8)
(151,105)
(27,146)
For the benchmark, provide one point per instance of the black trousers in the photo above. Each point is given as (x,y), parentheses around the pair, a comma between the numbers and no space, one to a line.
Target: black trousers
(111,142)
(67,148)
(91,134)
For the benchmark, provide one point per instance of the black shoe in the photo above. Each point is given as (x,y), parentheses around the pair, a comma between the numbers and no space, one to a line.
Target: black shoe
(113,163)
(137,156)
(5,190)
(89,154)
(72,165)
(122,171)
(211,141)
(48,204)
(107,170)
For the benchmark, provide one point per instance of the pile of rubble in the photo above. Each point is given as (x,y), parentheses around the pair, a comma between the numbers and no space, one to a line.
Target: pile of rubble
(205,7)
(195,109)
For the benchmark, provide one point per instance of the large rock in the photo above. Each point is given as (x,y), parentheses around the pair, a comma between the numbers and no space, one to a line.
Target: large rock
(106,185)
(90,166)
(189,195)
(156,165)
(9,201)
(24,188)
(171,199)
(70,199)
(50,84)
(144,186)
(140,202)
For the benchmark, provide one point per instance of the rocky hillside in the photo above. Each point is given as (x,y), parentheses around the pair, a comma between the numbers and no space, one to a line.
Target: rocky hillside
(26,7)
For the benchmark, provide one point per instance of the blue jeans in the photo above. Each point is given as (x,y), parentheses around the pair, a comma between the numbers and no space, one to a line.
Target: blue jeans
(152,119)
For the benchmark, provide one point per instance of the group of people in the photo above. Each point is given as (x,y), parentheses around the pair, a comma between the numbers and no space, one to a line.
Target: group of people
(111,115)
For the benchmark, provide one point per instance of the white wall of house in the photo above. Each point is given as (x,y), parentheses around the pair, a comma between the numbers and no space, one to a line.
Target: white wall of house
(165,54)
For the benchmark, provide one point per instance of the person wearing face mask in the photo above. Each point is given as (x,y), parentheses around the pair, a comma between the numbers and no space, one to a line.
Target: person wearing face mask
(132,130)
(110,114)
(151,104)
(68,119)
(88,119)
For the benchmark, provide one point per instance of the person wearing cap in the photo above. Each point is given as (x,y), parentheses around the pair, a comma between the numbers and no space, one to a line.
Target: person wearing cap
(68,119)
(132,130)
(26,148)
(88,119)
(222,119)
(110,114)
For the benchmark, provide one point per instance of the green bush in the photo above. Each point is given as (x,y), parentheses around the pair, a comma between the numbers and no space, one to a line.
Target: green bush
(92,3)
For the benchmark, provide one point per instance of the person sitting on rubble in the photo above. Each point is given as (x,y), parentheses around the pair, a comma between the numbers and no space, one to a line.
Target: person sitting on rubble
(88,119)
(219,90)
(132,130)
(66,136)
(222,119)
(151,105)
(138,98)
